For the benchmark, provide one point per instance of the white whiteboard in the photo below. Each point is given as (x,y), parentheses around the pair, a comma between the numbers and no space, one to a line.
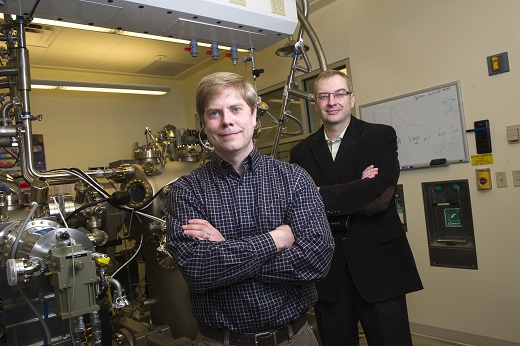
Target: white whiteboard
(429,125)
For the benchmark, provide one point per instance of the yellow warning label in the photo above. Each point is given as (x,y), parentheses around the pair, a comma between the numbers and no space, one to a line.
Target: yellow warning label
(481,159)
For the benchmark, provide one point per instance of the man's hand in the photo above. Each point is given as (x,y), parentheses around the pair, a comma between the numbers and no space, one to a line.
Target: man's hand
(203,230)
(283,237)
(369,172)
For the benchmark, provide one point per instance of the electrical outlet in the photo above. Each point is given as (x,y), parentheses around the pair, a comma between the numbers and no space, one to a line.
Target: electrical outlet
(516,178)
(501,179)
(278,7)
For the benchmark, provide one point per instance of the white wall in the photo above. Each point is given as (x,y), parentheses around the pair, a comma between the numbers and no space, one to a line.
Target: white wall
(395,48)
(402,46)
(84,129)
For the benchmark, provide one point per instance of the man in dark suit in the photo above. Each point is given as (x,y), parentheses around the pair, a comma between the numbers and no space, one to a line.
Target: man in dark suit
(355,166)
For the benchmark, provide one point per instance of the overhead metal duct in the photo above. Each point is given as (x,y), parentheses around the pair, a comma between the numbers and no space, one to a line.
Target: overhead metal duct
(253,24)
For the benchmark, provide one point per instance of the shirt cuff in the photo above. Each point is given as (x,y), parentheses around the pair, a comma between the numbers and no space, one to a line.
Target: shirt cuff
(264,247)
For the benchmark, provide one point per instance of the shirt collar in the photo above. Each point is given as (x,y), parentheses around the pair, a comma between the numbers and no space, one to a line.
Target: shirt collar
(340,137)
(250,163)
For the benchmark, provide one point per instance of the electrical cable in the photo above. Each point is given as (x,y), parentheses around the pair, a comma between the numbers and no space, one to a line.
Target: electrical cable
(157,194)
(289,115)
(14,156)
(140,287)
(151,217)
(85,206)
(85,177)
(32,210)
(152,199)
(57,204)
(102,191)
(131,258)
(34,8)
(71,302)
(136,252)
(129,278)
(59,211)
(14,164)
(38,315)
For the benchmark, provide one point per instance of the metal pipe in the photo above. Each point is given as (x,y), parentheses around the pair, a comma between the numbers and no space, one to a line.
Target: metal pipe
(4,84)
(8,71)
(116,284)
(29,173)
(95,325)
(322,61)
(40,195)
(4,205)
(8,131)
(300,47)
(285,103)
(97,237)
(288,90)
(301,94)
(33,268)
(81,189)
(119,299)
(77,330)
(5,120)
(24,74)
(32,209)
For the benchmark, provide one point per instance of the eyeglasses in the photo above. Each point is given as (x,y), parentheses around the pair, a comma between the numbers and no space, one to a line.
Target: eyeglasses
(338,95)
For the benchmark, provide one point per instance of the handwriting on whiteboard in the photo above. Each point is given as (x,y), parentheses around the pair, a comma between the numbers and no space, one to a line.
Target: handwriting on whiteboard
(429,124)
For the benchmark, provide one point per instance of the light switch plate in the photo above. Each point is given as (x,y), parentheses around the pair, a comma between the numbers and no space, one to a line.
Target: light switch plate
(516,178)
(501,179)
(513,134)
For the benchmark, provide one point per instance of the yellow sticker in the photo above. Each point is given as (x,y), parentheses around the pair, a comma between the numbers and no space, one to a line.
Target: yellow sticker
(481,159)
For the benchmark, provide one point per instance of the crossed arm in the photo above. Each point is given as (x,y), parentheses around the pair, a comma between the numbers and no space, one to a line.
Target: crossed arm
(296,251)
(283,236)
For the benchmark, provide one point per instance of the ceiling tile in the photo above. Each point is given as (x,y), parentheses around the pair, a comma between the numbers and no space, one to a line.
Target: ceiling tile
(85,41)
(69,58)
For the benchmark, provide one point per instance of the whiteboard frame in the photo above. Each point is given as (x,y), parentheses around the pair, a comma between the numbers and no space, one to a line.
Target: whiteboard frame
(461,120)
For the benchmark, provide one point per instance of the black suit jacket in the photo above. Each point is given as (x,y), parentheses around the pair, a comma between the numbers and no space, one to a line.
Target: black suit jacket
(368,232)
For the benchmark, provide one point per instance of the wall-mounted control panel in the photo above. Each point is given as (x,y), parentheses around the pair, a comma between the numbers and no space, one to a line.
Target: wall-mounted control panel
(449,222)
(483,178)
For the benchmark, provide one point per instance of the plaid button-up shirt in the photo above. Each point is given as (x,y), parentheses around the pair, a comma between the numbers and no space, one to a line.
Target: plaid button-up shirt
(243,284)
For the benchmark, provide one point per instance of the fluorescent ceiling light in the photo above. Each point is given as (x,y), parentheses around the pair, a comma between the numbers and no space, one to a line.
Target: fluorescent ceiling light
(122,32)
(99,87)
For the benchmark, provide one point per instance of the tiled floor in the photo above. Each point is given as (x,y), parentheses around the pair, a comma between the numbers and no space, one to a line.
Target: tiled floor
(419,340)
